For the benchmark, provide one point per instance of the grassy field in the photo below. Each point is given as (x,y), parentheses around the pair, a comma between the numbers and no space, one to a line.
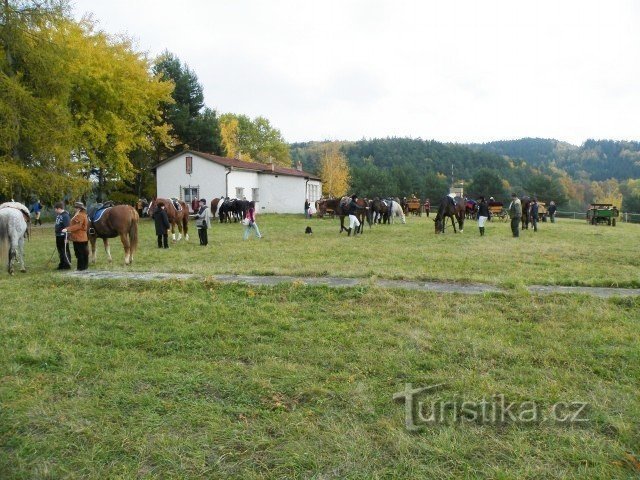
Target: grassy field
(569,252)
(197,379)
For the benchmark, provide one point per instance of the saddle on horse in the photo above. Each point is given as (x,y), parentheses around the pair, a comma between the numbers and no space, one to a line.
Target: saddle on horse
(95,214)
(176,204)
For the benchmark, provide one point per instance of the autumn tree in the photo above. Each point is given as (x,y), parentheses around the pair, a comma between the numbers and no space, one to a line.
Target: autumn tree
(334,172)
(253,140)
(36,128)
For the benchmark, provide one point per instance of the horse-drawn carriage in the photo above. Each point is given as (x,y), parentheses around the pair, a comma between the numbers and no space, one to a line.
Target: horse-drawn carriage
(497,210)
(602,213)
(413,205)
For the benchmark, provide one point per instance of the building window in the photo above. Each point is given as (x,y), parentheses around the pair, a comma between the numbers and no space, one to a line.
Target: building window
(189,165)
(239,192)
(189,193)
(255,194)
(313,192)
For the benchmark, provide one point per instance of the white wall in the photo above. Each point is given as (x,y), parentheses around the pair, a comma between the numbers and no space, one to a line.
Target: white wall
(209,176)
(281,194)
(242,179)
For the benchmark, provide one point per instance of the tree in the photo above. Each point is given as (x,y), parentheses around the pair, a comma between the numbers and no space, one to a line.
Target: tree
(191,126)
(115,102)
(546,188)
(370,181)
(36,129)
(486,182)
(253,140)
(630,191)
(334,172)
(435,187)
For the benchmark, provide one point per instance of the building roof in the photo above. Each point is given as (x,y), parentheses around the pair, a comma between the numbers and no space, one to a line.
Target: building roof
(268,168)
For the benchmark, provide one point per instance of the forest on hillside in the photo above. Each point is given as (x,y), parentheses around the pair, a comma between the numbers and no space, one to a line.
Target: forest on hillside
(573,176)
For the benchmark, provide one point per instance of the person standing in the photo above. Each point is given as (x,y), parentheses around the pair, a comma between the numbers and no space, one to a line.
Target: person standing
(552,211)
(353,219)
(483,214)
(203,222)
(161,220)
(63,219)
(251,217)
(307,205)
(515,212)
(533,212)
(36,208)
(427,207)
(78,230)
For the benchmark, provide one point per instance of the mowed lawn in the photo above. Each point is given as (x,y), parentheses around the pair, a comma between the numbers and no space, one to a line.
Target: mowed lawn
(197,379)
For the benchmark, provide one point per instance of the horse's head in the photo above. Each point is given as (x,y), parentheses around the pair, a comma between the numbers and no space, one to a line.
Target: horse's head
(438,223)
(321,207)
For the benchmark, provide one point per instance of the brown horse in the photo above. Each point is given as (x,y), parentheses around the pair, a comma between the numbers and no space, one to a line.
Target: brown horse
(448,210)
(214,206)
(176,218)
(116,220)
(340,207)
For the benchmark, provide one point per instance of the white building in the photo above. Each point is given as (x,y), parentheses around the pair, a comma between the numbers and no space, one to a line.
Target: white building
(275,189)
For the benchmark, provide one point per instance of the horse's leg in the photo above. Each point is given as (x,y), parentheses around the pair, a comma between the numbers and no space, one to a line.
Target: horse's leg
(21,253)
(92,242)
(107,249)
(179,223)
(453,223)
(124,238)
(185,222)
(173,232)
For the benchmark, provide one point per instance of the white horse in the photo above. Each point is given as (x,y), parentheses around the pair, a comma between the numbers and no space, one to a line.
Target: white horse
(13,226)
(396,211)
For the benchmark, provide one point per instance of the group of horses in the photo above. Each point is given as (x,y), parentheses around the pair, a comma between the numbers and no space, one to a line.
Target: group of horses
(385,210)
(122,221)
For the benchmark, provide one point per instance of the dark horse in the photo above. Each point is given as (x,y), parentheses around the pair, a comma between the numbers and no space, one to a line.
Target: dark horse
(179,218)
(340,207)
(115,220)
(448,209)
(379,211)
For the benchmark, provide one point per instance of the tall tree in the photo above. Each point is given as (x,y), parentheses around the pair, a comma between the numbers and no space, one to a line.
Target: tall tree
(192,127)
(334,172)
(36,130)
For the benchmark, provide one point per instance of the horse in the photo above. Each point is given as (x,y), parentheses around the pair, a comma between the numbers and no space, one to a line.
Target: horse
(114,220)
(179,218)
(340,207)
(526,210)
(214,206)
(451,210)
(14,223)
(471,207)
(379,210)
(396,211)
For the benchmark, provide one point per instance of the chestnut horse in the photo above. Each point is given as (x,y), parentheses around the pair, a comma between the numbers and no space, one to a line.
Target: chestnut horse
(340,207)
(176,218)
(448,210)
(115,220)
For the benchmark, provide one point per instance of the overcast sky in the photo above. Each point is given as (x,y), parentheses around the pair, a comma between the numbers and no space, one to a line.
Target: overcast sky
(458,70)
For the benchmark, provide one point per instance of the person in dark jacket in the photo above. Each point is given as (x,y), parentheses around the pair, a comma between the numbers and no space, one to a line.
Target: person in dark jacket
(533,213)
(203,222)
(161,220)
(483,214)
(515,212)
(552,211)
(36,208)
(63,219)
(307,205)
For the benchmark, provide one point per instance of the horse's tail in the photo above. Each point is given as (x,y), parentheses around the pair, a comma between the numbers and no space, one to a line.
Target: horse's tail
(133,232)
(4,240)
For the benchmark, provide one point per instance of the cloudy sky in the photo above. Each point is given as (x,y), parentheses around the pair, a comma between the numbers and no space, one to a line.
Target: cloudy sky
(458,70)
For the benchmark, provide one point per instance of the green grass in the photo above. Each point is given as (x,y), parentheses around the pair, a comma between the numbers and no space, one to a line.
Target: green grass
(198,379)
(569,252)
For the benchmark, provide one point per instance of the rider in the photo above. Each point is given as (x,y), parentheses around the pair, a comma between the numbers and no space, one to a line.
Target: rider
(352,209)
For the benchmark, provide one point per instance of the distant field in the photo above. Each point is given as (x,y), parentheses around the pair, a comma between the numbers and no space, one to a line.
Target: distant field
(196,379)
(569,252)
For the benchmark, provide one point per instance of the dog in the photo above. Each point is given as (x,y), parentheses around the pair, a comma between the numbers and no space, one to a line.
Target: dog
(308,230)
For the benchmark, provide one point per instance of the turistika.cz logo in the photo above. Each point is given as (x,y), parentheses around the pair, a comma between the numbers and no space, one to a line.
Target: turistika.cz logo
(422,410)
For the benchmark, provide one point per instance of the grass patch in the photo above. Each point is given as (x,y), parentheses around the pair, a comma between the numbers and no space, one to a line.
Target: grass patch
(187,379)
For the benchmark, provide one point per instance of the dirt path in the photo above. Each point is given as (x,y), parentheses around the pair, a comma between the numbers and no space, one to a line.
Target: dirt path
(442,287)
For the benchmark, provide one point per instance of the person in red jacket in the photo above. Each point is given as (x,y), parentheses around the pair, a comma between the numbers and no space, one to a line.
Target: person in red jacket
(78,231)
